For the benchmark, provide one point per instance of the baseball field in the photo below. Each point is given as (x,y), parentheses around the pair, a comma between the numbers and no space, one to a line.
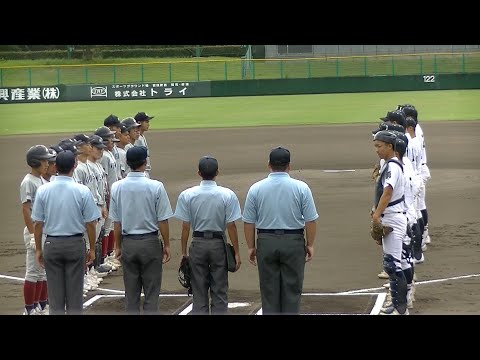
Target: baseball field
(326,134)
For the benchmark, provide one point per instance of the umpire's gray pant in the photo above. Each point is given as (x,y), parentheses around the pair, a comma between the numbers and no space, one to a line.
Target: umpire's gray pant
(209,276)
(64,259)
(141,260)
(281,268)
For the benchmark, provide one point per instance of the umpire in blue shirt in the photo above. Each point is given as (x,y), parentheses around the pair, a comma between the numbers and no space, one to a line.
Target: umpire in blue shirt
(64,210)
(139,208)
(209,210)
(280,208)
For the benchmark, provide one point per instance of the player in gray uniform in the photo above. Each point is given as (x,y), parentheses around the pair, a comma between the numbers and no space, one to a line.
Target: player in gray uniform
(133,130)
(144,120)
(280,220)
(109,165)
(37,158)
(64,210)
(52,168)
(120,153)
(209,210)
(139,208)
(390,210)
(98,176)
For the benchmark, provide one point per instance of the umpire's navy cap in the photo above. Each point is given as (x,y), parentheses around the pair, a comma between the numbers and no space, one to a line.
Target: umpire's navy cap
(141,116)
(279,156)
(208,165)
(137,154)
(65,159)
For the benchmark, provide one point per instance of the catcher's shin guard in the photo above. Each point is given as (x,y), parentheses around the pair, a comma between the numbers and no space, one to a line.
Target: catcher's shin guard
(398,283)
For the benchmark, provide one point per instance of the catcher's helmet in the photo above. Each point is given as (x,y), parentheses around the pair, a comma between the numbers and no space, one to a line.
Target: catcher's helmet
(37,153)
(104,132)
(386,136)
(185,274)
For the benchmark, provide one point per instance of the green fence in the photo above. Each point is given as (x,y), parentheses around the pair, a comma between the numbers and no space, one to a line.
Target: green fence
(241,69)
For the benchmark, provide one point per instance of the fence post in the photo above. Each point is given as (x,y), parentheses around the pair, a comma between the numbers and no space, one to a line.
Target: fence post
(170,72)
(337,67)
(435,64)
(86,74)
(253,70)
(114,74)
(198,71)
(309,74)
(281,69)
(30,76)
(421,65)
(142,72)
(463,63)
(58,76)
(393,67)
(225,70)
(365,66)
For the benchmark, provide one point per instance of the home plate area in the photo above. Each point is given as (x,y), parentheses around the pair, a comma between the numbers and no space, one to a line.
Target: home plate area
(246,303)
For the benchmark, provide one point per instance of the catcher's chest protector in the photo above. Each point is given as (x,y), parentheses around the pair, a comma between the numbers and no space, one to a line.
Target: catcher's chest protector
(380,180)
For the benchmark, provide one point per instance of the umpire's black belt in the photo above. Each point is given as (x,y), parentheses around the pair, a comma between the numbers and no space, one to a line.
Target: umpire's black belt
(65,236)
(280,231)
(150,233)
(208,234)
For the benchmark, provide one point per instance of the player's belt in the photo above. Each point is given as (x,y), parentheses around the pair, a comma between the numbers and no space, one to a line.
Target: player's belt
(280,231)
(208,234)
(395,212)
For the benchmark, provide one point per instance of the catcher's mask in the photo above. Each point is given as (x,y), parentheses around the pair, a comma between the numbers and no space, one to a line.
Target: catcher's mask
(185,274)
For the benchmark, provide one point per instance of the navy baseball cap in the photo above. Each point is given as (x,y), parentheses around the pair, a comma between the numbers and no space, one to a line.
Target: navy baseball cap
(141,116)
(137,154)
(130,123)
(208,165)
(389,126)
(65,159)
(111,120)
(69,144)
(97,142)
(123,129)
(82,139)
(395,116)
(279,156)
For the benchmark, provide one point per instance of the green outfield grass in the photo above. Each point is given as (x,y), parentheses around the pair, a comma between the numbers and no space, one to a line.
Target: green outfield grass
(239,111)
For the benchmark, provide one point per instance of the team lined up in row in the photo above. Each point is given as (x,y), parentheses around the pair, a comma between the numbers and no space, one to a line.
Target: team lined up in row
(101,162)
(400,177)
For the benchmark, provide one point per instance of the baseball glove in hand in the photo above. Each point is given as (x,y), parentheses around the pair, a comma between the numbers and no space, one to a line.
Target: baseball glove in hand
(185,274)
(378,231)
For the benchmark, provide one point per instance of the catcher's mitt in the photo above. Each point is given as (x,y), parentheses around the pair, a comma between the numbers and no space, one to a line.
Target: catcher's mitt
(378,231)
(185,274)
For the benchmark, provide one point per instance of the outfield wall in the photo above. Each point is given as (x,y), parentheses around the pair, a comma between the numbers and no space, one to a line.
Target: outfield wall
(137,91)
